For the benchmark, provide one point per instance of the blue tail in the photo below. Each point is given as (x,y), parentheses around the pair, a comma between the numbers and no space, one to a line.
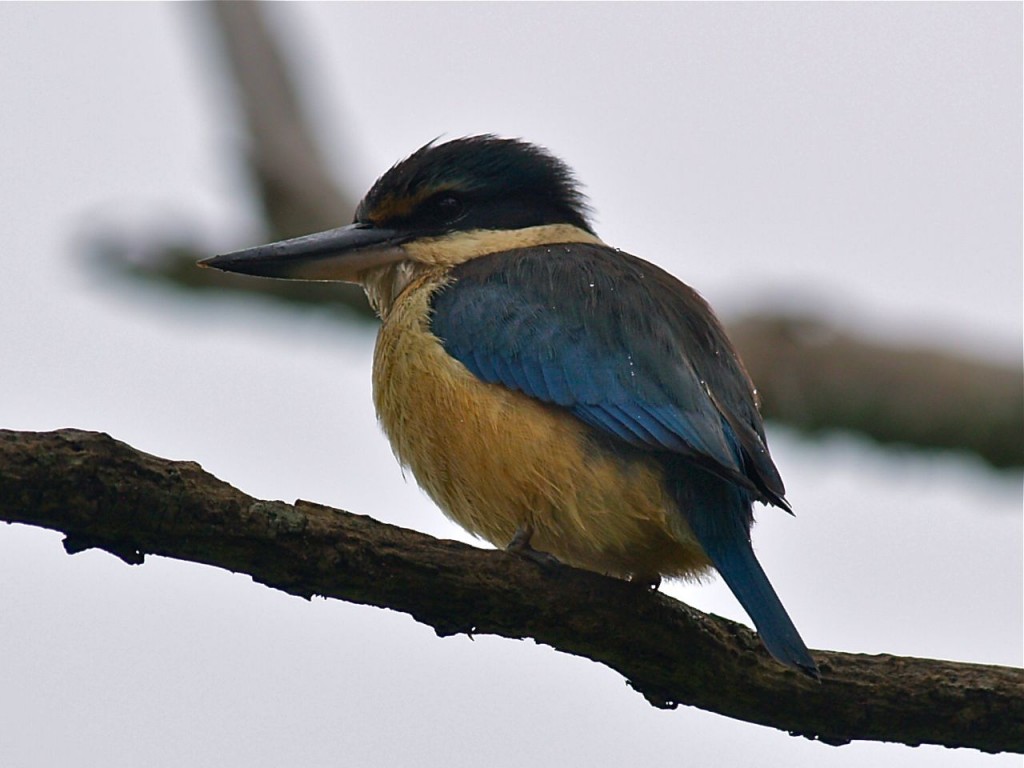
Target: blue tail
(719,513)
(745,577)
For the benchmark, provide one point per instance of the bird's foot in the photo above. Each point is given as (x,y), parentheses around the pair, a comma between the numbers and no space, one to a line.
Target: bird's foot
(520,546)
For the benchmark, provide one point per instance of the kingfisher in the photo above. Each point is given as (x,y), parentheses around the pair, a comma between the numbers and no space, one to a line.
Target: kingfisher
(552,394)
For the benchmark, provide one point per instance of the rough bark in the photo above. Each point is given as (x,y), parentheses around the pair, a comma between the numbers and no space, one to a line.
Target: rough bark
(103,493)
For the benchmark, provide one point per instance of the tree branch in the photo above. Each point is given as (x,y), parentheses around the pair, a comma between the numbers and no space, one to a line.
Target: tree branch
(103,493)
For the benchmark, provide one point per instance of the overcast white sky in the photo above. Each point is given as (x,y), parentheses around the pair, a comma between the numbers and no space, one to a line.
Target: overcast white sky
(861,160)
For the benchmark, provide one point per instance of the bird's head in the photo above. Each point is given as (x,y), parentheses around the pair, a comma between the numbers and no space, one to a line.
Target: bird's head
(444,204)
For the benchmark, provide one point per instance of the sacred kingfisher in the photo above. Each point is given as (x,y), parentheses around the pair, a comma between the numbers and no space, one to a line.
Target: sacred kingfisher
(552,394)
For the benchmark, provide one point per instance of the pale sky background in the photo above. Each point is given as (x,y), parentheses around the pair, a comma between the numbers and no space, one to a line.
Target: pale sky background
(862,161)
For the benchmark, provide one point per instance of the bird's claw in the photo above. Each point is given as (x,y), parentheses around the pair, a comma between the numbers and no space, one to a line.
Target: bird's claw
(521,547)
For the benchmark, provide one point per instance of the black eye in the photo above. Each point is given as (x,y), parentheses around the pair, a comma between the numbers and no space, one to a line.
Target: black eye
(445,208)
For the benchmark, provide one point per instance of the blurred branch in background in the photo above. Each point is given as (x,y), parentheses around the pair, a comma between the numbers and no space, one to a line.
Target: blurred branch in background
(815,377)
(810,375)
(285,162)
(280,156)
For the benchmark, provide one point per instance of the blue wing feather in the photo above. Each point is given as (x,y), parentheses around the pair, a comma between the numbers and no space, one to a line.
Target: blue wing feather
(557,385)
(624,346)
(486,367)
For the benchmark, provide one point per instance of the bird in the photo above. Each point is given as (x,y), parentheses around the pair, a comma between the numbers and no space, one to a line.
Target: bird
(553,395)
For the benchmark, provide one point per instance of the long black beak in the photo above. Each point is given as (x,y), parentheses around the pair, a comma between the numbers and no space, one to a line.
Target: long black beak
(338,254)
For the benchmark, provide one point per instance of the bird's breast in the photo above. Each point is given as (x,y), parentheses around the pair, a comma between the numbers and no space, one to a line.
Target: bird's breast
(495,459)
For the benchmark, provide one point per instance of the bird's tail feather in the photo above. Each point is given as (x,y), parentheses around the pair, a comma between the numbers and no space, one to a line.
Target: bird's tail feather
(747,580)
(719,514)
